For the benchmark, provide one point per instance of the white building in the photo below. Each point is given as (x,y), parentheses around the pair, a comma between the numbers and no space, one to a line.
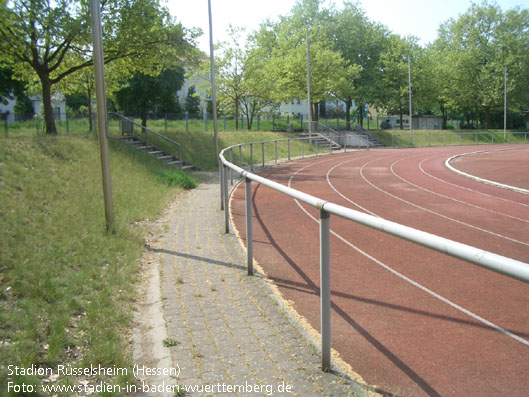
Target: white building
(419,122)
(58,103)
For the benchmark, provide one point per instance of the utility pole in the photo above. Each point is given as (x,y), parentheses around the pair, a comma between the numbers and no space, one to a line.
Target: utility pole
(213,87)
(409,90)
(308,86)
(101,102)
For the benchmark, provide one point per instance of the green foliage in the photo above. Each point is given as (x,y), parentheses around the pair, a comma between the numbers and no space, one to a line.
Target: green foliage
(177,178)
(48,42)
(474,51)
(192,101)
(143,93)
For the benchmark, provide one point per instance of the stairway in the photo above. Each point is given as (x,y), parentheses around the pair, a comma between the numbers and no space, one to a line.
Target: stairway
(322,141)
(156,152)
(373,143)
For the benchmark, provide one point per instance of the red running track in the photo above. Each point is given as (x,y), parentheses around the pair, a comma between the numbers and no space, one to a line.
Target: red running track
(409,320)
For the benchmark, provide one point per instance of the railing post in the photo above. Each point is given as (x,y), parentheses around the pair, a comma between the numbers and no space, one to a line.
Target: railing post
(251,157)
(226,201)
(181,160)
(325,290)
(231,161)
(249,237)
(221,171)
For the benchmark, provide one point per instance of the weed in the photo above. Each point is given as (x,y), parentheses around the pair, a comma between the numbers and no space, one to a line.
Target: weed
(170,342)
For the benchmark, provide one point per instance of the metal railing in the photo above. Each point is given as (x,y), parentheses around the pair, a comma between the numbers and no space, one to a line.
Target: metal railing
(497,263)
(149,139)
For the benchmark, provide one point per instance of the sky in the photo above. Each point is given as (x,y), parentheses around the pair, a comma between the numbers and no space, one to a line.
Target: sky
(420,18)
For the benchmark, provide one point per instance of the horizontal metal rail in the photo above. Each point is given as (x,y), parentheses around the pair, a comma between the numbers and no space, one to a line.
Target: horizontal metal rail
(497,263)
(154,133)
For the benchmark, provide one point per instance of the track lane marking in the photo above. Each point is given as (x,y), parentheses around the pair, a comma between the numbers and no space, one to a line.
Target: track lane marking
(467,188)
(451,198)
(409,280)
(436,213)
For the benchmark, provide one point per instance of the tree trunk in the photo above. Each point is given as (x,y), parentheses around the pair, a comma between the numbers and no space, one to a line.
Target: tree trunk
(361,115)
(348,104)
(236,114)
(48,109)
(144,118)
(445,116)
(488,123)
(316,113)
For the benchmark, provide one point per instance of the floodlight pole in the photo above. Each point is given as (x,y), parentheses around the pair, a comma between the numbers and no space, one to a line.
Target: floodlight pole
(505,108)
(213,87)
(409,90)
(308,86)
(102,126)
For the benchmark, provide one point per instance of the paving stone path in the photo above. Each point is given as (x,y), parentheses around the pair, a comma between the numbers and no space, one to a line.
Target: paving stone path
(229,335)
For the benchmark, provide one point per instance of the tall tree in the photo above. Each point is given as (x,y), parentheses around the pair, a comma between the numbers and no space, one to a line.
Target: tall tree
(282,47)
(143,93)
(478,46)
(52,40)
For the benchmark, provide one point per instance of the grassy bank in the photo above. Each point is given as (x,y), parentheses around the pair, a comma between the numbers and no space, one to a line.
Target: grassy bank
(66,286)
(423,138)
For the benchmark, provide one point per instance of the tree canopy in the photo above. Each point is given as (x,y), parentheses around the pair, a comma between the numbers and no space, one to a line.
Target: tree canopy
(47,42)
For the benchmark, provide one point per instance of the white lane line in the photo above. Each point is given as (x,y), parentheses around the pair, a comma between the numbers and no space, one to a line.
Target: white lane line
(412,282)
(451,198)
(436,213)
(483,180)
(466,188)
(343,196)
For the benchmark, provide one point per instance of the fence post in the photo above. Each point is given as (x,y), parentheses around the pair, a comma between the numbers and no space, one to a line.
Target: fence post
(258,122)
(240,156)
(187,121)
(288,149)
(325,290)
(206,120)
(249,237)
(224,123)
(263,154)
(226,201)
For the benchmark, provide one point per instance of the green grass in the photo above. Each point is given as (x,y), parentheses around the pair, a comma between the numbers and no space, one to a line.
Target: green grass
(66,286)
(422,138)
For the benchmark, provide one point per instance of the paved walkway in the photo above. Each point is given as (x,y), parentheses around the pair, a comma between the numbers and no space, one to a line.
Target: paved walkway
(226,329)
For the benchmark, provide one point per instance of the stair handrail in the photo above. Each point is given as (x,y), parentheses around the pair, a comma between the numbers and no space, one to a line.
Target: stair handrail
(153,132)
